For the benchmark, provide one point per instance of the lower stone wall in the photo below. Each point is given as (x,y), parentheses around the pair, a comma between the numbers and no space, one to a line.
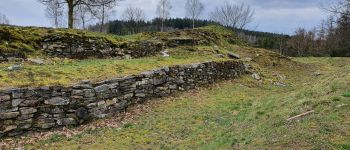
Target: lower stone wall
(36,109)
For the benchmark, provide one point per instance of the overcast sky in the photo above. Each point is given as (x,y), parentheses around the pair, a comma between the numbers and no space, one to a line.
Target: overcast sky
(279,16)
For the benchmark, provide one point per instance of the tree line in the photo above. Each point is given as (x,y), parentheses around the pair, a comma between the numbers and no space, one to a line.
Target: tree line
(330,38)
(4,20)
(79,13)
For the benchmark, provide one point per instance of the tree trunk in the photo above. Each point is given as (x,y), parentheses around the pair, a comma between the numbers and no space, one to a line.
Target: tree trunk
(193,23)
(103,18)
(162,25)
(70,14)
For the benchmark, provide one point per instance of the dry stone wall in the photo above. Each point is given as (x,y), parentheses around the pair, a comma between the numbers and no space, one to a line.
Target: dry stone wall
(74,46)
(36,109)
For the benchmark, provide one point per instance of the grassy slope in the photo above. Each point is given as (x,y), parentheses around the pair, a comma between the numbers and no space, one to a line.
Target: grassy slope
(66,72)
(26,40)
(241,114)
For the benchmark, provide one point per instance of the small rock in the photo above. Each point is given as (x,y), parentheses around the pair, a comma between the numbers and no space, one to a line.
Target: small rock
(14,68)
(280,84)
(5,97)
(7,129)
(256,76)
(16,102)
(26,111)
(36,61)
(101,88)
(8,115)
(233,55)
(317,74)
(340,105)
(127,57)
(165,53)
(220,55)
(57,101)
(248,59)
(82,113)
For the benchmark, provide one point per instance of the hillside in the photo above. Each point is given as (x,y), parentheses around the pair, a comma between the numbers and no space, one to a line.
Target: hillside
(239,114)
(255,100)
(69,56)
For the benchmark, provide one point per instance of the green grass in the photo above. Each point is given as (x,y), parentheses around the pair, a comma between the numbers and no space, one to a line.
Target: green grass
(240,114)
(66,71)
(346,94)
(26,40)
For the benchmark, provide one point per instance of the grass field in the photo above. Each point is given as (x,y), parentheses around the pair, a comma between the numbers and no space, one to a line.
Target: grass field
(68,71)
(240,114)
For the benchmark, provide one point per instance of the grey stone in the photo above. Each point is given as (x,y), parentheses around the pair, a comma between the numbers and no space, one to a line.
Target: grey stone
(140,95)
(101,88)
(16,102)
(101,103)
(57,110)
(159,80)
(82,113)
(25,117)
(220,55)
(233,55)
(111,102)
(57,101)
(5,97)
(127,96)
(9,115)
(280,84)
(165,53)
(14,68)
(256,76)
(127,57)
(26,126)
(16,94)
(36,61)
(27,103)
(45,123)
(7,128)
(89,93)
(66,121)
(26,111)
(77,92)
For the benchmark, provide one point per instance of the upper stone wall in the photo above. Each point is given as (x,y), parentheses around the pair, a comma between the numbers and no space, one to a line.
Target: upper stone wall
(76,47)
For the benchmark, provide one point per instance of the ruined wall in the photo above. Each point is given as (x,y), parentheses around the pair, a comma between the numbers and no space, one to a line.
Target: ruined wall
(35,109)
(74,46)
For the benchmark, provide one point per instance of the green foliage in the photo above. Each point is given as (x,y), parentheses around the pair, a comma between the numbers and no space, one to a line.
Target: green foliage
(346,94)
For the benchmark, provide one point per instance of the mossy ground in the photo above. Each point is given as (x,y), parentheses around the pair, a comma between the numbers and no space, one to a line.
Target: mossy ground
(68,71)
(26,41)
(240,114)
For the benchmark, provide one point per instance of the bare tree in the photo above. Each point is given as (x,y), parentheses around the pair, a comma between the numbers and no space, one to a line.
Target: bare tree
(103,11)
(232,15)
(72,4)
(54,11)
(83,15)
(134,16)
(4,19)
(193,9)
(163,11)
(340,7)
